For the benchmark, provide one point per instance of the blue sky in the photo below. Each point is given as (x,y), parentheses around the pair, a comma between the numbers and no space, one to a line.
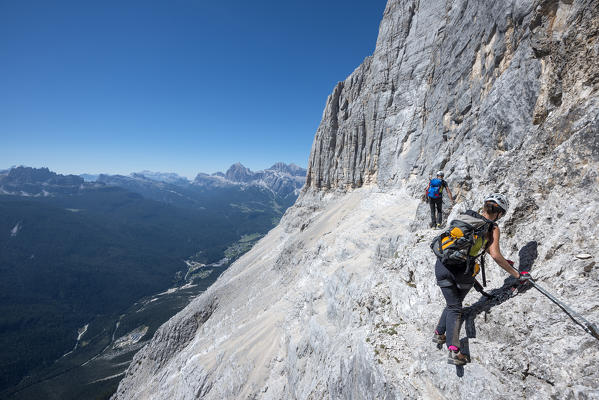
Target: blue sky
(174,86)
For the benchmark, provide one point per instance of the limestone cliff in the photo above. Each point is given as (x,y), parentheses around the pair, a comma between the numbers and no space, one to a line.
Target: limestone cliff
(339,301)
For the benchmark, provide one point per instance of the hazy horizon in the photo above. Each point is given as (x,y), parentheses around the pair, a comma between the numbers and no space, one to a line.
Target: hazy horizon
(126,173)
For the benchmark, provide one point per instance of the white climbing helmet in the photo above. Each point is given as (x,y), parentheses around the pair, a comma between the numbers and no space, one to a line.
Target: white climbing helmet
(500,200)
(440,173)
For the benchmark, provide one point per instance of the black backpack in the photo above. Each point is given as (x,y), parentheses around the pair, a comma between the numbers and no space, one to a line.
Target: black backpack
(457,245)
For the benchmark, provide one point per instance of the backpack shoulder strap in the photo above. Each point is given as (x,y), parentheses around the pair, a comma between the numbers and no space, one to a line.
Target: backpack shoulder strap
(474,214)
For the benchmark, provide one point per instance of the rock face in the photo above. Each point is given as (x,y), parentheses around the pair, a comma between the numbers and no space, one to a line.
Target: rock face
(340,300)
(454,85)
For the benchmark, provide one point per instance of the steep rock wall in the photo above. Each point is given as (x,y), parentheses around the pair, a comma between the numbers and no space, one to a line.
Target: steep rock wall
(339,301)
(454,85)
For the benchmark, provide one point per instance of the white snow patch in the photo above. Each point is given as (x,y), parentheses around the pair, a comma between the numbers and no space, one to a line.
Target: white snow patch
(82,331)
(14,231)
(107,378)
(175,289)
(169,291)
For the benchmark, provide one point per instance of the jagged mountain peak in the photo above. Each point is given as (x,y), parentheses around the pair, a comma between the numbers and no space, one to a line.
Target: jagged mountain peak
(28,181)
(31,175)
(239,173)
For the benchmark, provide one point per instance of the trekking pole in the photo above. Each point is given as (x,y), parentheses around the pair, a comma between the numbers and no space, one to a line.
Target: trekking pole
(577,318)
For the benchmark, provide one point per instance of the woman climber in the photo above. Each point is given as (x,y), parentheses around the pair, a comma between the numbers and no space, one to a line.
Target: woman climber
(456,266)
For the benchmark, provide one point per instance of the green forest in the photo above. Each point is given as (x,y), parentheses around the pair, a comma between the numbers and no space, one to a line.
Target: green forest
(67,259)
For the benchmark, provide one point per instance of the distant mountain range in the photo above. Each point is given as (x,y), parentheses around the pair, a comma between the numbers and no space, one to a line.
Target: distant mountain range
(283,180)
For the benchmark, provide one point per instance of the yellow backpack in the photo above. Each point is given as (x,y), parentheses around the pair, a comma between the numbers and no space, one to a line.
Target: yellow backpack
(463,241)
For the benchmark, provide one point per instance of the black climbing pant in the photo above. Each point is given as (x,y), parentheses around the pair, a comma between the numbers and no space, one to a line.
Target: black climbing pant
(436,208)
(454,285)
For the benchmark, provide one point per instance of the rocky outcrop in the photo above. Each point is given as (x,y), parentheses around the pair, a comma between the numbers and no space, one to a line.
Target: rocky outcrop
(27,181)
(38,176)
(238,173)
(339,301)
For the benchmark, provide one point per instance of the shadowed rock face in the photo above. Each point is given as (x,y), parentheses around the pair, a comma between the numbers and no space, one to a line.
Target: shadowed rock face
(340,300)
